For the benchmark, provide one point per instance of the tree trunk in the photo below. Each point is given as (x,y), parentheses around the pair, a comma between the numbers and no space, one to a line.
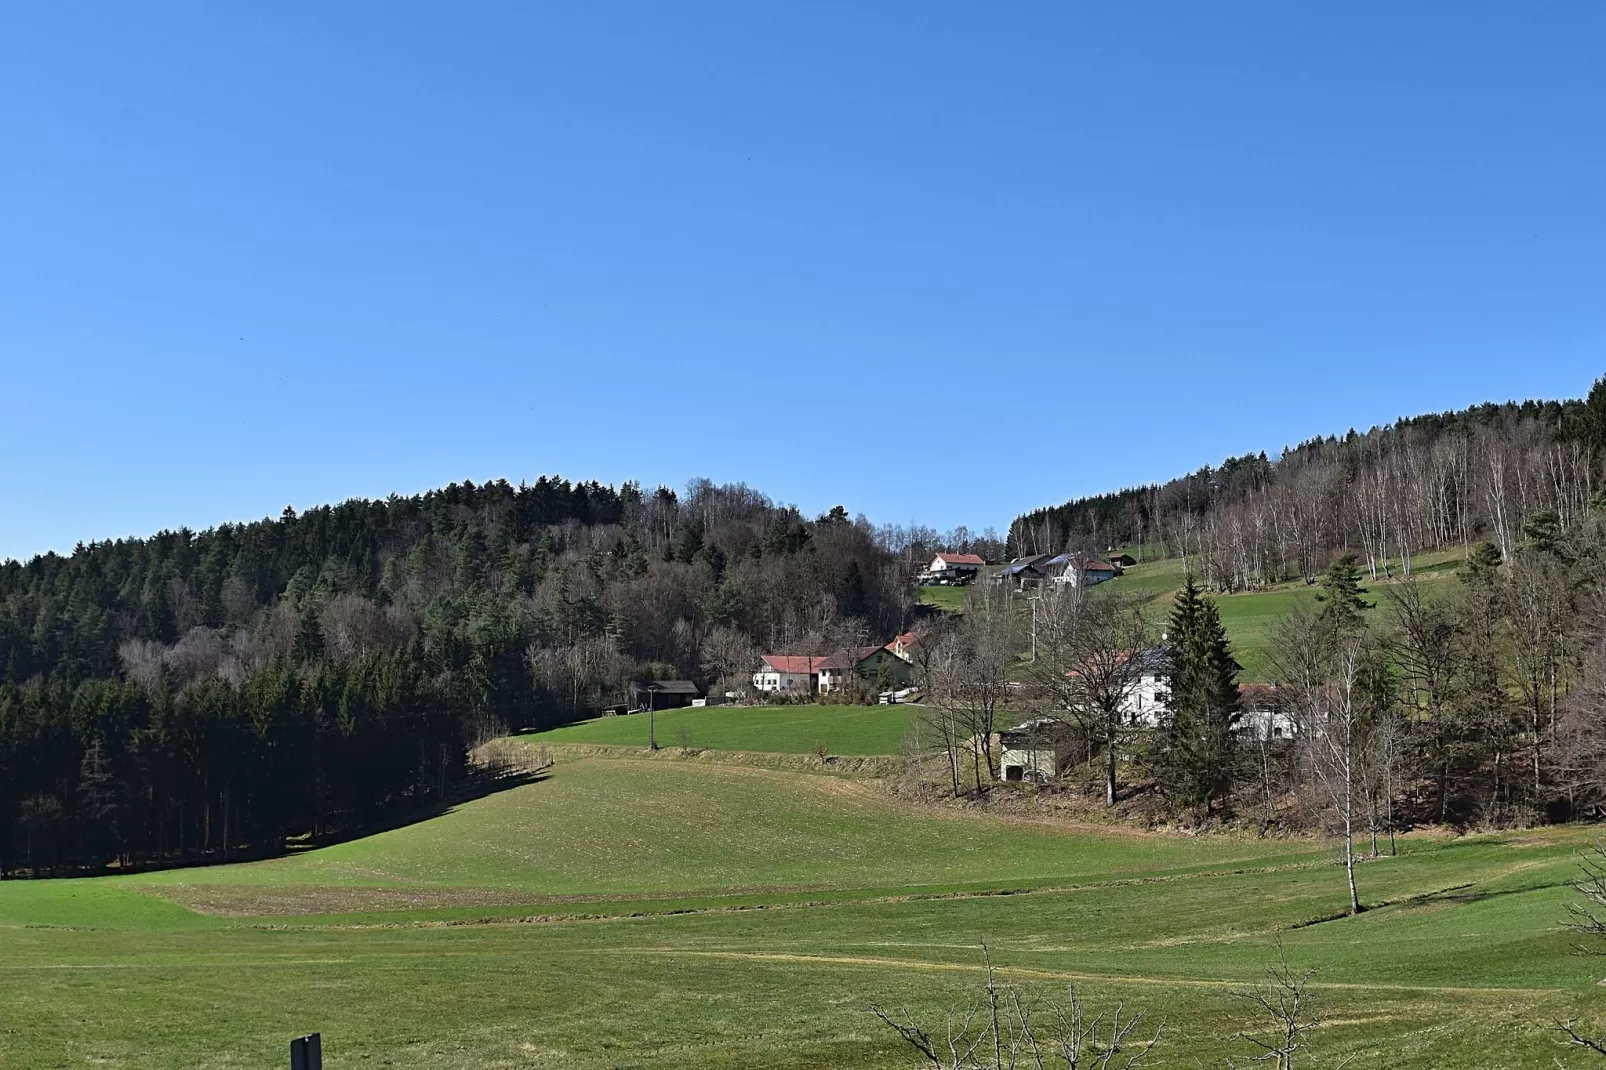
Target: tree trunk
(1349,863)
(1109,769)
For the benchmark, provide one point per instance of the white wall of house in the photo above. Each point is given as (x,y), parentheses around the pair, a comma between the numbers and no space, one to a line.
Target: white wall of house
(831,679)
(1266,724)
(939,565)
(769,680)
(1084,577)
(1144,707)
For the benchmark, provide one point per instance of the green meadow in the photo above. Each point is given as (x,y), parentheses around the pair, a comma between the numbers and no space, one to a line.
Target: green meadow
(950,598)
(662,913)
(1251,617)
(844,730)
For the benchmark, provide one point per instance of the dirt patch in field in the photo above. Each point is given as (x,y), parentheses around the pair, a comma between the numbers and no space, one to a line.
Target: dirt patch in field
(278,900)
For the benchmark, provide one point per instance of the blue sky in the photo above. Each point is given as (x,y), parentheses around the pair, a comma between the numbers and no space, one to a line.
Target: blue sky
(936,262)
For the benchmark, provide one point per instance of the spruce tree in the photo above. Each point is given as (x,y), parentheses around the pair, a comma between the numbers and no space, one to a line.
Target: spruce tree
(1344,604)
(1201,683)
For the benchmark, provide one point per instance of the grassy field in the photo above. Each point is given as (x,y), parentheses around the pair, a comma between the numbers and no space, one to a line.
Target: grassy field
(845,730)
(949,598)
(1251,617)
(628,913)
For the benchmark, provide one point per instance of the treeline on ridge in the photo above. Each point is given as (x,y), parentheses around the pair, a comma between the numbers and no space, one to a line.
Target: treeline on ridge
(1418,484)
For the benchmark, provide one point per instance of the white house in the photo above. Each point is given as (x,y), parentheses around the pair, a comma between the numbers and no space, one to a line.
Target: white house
(1262,715)
(796,674)
(1145,703)
(904,645)
(1080,570)
(955,564)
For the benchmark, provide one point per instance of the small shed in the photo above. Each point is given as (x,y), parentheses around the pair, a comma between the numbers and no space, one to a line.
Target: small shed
(1122,560)
(663,694)
(1033,751)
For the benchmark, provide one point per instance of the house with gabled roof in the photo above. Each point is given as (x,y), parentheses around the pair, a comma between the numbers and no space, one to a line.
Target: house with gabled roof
(903,645)
(947,568)
(792,674)
(872,666)
(1029,571)
(1081,569)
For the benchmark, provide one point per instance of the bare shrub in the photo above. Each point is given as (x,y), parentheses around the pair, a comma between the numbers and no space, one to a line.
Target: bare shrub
(1003,1030)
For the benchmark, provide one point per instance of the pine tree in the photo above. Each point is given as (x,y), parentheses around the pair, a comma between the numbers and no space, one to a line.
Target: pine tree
(97,803)
(1201,683)
(850,598)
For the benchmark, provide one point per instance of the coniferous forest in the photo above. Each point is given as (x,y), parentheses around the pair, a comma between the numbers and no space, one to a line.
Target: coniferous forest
(199,696)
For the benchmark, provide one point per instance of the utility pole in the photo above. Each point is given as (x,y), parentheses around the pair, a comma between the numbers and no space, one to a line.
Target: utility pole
(1032,600)
(652,728)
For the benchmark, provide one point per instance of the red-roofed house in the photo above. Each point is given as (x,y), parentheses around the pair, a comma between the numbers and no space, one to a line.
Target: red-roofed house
(952,568)
(903,645)
(792,673)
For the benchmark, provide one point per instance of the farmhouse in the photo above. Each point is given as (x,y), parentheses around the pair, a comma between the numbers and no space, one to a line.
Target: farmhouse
(1034,751)
(952,569)
(1145,704)
(874,666)
(797,674)
(1024,572)
(663,694)
(1081,570)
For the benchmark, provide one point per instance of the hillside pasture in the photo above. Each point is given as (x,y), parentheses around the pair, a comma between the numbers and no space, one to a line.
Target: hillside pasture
(951,599)
(797,729)
(628,913)
(1250,617)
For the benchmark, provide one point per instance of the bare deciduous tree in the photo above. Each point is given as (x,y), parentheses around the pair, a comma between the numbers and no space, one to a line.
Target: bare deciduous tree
(1585,918)
(1000,1033)
(1284,998)
(971,678)
(1091,664)
(730,657)
(1336,746)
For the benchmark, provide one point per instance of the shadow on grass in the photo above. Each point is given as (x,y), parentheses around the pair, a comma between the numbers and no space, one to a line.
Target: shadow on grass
(470,790)
(401,816)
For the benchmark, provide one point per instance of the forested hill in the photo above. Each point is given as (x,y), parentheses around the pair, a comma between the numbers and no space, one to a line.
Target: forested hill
(1419,483)
(192,694)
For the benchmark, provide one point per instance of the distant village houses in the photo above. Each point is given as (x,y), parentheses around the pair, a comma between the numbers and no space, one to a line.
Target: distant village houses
(803,675)
(1073,569)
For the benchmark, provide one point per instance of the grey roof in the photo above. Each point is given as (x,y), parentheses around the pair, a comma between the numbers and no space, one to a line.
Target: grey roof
(670,687)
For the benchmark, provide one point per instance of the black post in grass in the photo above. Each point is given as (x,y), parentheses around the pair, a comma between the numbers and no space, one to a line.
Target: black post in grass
(306,1053)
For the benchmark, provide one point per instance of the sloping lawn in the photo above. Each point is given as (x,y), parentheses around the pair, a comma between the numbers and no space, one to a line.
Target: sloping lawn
(846,730)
